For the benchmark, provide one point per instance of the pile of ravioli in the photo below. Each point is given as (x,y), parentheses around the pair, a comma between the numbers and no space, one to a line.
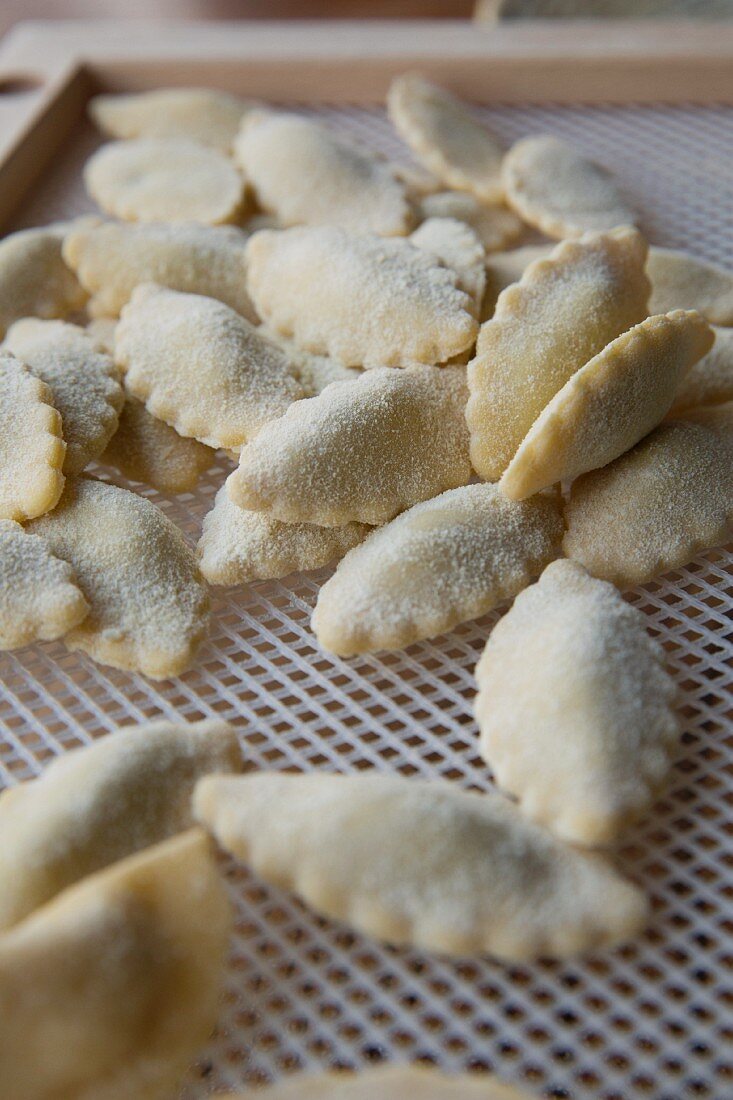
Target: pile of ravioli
(456,421)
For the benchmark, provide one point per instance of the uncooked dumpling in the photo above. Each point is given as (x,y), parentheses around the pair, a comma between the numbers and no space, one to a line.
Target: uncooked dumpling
(109,990)
(32,449)
(306,174)
(385,1083)
(495,225)
(710,381)
(575,706)
(201,114)
(201,367)
(422,863)
(680,281)
(505,268)
(314,372)
(98,804)
(362,299)
(659,505)
(564,310)
(238,546)
(457,246)
(149,607)
(34,280)
(609,404)
(361,450)
(440,563)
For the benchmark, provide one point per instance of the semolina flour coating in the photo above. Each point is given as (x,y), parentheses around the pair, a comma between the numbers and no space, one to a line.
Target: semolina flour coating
(34,280)
(710,380)
(495,225)
(200,114)
(681,281)
(32,449)
(457,246)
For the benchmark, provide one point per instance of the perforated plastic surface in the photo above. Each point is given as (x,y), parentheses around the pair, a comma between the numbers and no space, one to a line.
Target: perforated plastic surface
(653,1020)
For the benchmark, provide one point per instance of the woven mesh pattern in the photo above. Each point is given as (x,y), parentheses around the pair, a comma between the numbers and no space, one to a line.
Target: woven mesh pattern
(654,1019)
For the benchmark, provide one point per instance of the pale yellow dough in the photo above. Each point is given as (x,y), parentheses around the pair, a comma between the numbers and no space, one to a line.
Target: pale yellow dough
(149,607)
(495,225)
(201,114)
(201,367)
(362,299)
(98,804)
(505,268)
(445,137)
(39,597)
(111,259)
(609,404)
(456,245)
(562,312)
(32,449)
(385,1083)
(710,381)
(360,451)
(680,281)
(238,546)
(421,863)
(660,504)
(108,992)
(306,174)
(575,706)
(84,384)
(314,372)
(444,561)
(34,280)
(556,189)
(164,180)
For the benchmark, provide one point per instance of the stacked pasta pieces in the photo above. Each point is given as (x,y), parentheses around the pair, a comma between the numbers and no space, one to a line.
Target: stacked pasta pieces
(450,420)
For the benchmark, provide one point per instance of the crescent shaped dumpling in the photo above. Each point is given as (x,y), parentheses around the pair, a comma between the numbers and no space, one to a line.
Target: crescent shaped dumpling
(505,268)
(108,991)
(201,114)
(84,383)
(556,189)
(111,259)
(440,563)
(495,225)
(102,803)
(709,381)
(39,597)
(445,137)
(609,404)
(457,246)
(366,301)
(659,505)
(201,367)
(422,863)
(360,451)
(562,312)
(32,449)
(34,280)
(306,174)
(149,607)
(238,546)
(385,1083)
(680,281)
(575,706)
(164,180)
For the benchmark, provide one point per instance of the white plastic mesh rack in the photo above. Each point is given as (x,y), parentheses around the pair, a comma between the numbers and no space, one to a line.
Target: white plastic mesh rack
(652,1020)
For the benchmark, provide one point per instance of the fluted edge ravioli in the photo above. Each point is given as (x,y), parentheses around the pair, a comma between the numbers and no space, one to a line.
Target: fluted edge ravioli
(575,707)
(34,280)
(149,607)
(102,803)
(495,225)
(201,114)
(657,506)
(32,449)
(609,404)
(457,246)
(422,863)
(440,563)
(445,137)
(306,174)
(367,301)
(385,1083)
(562,312)
(681,281)
(360,451)
(709,381)
(108,991)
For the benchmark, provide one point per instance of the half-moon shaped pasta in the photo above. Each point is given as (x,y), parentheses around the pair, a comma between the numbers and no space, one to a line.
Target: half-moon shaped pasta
(556,189)
(96,805)
(201,367)
(149,607)
(609,404)
(362,299)
(709,381)
(385,1083)
(445,137)
(201,114)
(32,449)
(562,312)
(505,268)
(444,561)
(495,225)
(680,281)
(361,450)
(419,863)
(306,174)
(34,280)
(457,246)
(108,991)
(575,707)
(658,505)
